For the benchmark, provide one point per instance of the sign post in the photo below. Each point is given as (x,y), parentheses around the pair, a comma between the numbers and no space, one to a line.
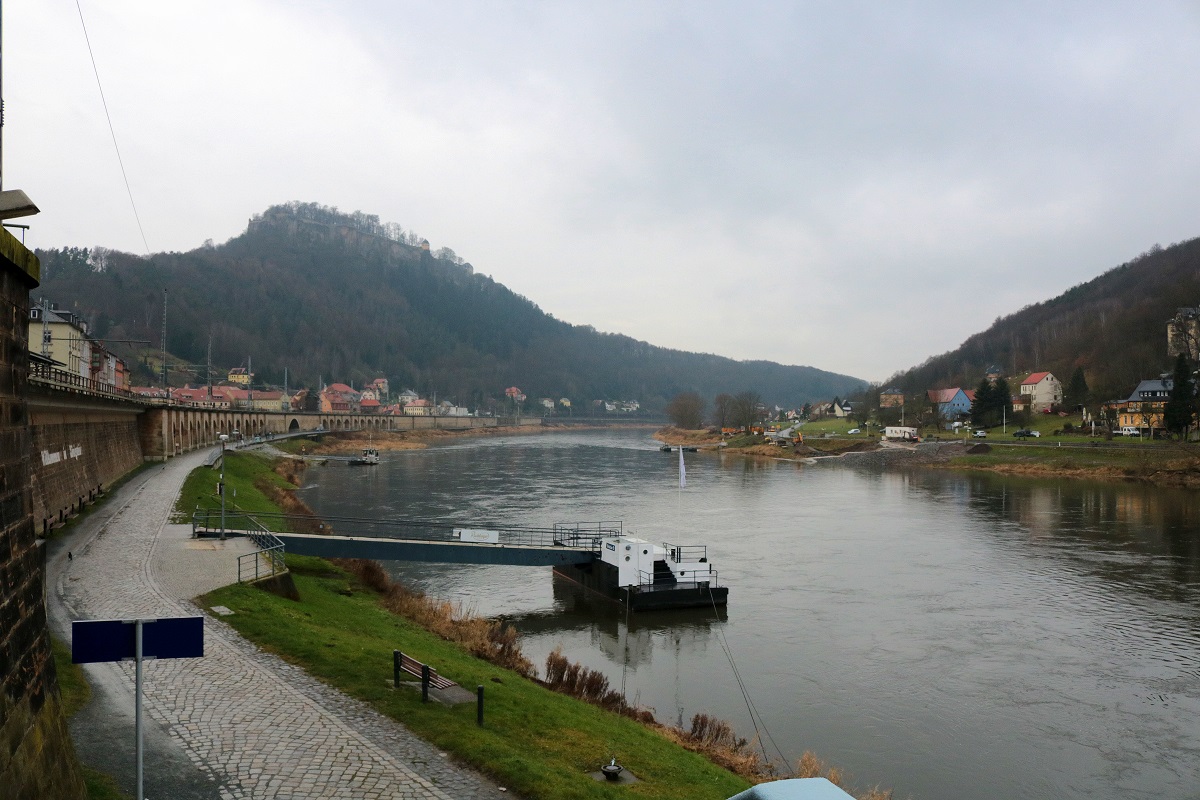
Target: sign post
(94,641)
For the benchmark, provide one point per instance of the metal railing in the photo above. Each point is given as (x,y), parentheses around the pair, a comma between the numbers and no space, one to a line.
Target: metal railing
(267,561)
(261,564)
(694,578)
(47,375)
(575,536)
(686,552)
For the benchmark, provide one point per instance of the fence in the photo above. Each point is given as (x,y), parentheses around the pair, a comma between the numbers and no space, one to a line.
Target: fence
(265,562)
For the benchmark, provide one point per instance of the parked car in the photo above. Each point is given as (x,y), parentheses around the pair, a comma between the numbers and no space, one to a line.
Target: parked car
(980,434)
(1131,430)
(1025,433)
(854,430)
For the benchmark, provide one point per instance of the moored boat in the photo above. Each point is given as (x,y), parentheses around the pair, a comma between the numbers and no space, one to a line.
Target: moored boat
(644,575)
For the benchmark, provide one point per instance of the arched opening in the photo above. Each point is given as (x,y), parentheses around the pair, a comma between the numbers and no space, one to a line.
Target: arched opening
(294,425)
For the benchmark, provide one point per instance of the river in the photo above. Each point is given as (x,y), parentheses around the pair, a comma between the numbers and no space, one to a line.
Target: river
(947,635)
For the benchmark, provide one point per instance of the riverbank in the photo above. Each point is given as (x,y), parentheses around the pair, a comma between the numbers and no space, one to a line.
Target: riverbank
(1176,466)
(530,749)
(341,443)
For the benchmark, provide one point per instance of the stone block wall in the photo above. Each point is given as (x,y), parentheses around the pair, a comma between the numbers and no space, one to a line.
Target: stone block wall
(74,454)
(37,759)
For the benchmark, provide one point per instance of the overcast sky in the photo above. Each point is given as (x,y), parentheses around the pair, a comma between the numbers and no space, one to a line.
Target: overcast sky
(855,186)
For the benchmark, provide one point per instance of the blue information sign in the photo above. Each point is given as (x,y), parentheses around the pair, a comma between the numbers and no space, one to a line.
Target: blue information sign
(115,639)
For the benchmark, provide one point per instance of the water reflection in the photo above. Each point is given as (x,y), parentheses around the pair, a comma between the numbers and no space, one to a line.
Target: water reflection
(1029,638)
(1129,536)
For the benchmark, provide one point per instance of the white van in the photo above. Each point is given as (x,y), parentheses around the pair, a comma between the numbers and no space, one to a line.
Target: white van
(1130,430)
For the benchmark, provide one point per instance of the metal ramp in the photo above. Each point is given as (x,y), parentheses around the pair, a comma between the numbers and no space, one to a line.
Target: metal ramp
(415,540)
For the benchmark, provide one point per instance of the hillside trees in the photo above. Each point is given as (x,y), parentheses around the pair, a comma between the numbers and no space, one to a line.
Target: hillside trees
(1112,325)
(294,292)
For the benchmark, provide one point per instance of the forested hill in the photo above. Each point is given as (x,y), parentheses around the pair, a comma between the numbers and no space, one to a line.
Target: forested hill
(341,297)
(1113,327)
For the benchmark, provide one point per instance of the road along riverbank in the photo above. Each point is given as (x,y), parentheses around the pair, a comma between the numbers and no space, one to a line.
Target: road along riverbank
(239,722)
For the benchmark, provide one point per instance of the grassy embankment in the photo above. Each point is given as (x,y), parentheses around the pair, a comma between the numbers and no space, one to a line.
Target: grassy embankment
(1162,464)
(538,742)
(75,695)
(753,445)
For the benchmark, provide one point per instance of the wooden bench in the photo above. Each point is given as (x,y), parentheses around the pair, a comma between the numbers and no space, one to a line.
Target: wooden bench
(406,663)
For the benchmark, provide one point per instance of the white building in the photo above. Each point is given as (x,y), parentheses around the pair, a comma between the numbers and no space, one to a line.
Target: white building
(1043,390)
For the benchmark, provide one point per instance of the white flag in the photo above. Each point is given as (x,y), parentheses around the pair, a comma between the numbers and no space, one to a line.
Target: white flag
(682,469)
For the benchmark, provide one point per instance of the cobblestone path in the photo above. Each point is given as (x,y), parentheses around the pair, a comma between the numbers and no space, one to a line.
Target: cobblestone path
(259,727)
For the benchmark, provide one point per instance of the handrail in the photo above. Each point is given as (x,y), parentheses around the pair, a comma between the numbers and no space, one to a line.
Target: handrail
(576,536)
(47,375)
(688,577)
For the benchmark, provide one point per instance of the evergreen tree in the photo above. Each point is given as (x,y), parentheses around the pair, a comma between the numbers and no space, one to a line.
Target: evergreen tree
(1077,392)
(1181,403)
(983,404)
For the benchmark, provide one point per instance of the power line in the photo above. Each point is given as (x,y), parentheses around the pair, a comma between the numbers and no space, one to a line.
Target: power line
(111,130)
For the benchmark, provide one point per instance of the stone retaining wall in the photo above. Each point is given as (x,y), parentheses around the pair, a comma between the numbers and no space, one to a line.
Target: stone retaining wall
(74,455)
(37,759)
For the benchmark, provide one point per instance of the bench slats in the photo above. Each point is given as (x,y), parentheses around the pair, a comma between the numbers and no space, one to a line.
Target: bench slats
(414,667)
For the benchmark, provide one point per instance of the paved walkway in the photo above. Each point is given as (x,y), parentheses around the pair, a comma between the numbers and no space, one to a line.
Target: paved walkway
(251,725)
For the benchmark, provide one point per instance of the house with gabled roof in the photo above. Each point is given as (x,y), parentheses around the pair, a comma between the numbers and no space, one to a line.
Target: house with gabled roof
(891,398)
(950,403)
(1044,391)
(1144,408)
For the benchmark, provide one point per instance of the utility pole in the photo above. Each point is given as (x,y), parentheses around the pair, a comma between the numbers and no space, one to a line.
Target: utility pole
(164,342)
(45,328)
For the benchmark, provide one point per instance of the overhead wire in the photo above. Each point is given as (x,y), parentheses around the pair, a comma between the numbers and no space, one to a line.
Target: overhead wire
(756,718)
(112,131)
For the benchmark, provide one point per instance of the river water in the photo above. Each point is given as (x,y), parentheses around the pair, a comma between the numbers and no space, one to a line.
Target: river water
(947,635)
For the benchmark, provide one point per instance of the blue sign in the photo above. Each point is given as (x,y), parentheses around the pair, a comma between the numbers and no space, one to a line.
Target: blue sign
(116,639)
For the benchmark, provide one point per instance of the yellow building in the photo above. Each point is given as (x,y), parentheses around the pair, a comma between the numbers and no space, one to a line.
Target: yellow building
(241,376)
(62,336)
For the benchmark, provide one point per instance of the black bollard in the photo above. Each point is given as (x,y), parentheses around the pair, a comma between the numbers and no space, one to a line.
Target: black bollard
(424,683)
(395,669)
(479,705)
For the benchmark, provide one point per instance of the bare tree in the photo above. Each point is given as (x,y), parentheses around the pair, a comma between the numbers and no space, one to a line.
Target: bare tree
(723,410)
(746,409)
(686,410)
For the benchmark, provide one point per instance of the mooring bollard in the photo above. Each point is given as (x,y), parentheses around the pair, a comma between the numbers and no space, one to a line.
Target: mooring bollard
(424,683)
(395,669)
(479,705)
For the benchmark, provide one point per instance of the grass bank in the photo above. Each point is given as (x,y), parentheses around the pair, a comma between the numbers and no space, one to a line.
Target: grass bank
(534,741)
(1173,465)
(76,693)
(254,482)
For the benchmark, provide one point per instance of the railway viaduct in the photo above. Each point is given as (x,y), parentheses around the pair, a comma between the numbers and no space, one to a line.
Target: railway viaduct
(84,436)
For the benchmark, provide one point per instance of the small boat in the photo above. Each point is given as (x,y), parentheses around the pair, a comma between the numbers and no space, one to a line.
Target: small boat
(369,458)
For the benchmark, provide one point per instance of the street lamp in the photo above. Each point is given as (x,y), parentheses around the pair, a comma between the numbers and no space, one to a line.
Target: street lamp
(221,483)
